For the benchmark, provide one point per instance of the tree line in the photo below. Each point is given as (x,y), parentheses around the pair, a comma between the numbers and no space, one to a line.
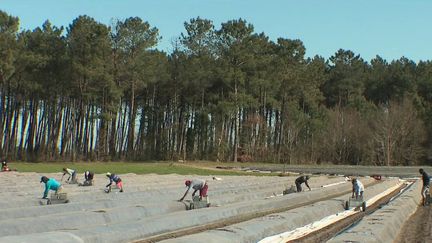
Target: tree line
(94,92)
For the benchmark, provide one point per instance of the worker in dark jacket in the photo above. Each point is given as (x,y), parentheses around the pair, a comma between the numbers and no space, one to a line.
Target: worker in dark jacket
(425,187)
(88,179)
(5,166)
(300,180)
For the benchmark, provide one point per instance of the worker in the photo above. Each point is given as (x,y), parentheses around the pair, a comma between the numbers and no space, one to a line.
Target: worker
(357,188)
(50,184)
(196,184)
(425,187)
(300,180)
(5,166)
(114,178)
(88,179)
(72,175)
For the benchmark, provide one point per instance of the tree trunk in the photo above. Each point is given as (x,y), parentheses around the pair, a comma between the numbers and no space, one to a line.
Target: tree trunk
(236,128)
(57,124)
(2,120)
(132,116)
(23,131)
(113,134)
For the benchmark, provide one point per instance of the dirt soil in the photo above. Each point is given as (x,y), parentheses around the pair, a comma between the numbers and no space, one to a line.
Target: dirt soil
(226,222)
(238,219)
(418,227)
(348,170)
(330,231)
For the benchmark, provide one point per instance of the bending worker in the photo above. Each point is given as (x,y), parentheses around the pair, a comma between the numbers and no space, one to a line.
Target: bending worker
(114,178)
(5,166)
(72,175)
(196,184)
(300,180)
(88,179)
(357,188)
(50,184)
(425,187)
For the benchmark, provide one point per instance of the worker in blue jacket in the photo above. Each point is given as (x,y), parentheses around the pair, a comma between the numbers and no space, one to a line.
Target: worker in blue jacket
(113,178)
(50,184)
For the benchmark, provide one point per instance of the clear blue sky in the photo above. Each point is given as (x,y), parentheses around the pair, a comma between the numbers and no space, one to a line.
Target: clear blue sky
(389,28)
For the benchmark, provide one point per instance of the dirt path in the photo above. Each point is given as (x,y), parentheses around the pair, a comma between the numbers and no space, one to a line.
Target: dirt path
(418,227)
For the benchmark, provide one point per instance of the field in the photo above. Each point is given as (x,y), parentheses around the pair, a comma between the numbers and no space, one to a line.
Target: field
(247,205)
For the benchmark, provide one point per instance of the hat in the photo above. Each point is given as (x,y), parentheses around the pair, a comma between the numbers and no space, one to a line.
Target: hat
(43,179)
(108,174)
(187,182)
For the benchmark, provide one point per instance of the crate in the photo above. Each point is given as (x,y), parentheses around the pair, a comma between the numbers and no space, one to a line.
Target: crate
(354,203)
(197,203)
(59,196)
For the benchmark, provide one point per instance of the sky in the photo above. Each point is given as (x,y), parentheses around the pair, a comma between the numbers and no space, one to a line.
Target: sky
(388,28)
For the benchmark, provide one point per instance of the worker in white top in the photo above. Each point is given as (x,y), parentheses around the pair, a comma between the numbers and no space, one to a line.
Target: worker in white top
(357,189)
(72,176)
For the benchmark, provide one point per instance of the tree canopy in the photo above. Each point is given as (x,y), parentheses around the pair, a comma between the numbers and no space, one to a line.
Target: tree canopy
(96,92)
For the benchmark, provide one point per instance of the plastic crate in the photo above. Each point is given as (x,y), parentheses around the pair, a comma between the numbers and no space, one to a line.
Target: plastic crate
(59,196)
(197,203)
